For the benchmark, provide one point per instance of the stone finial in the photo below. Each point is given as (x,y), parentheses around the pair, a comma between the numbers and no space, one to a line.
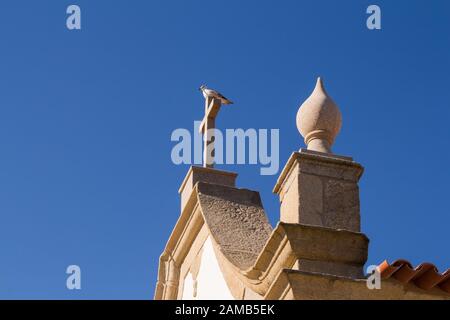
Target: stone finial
(319,120)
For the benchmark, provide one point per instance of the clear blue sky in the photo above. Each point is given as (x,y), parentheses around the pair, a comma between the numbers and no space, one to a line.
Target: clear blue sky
(86,116)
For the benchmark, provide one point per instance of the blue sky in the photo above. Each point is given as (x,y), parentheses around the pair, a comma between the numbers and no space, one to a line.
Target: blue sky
(86,176)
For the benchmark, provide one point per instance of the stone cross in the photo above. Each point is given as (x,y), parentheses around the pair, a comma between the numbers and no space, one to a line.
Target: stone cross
(212,107)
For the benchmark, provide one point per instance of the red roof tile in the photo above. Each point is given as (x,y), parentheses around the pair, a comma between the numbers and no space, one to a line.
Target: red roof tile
(424,276)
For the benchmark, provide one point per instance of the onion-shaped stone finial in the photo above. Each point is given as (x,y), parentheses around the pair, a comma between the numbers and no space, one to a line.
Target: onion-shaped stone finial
(319,120)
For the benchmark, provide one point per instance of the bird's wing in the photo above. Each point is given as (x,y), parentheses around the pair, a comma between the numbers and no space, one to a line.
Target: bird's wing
(221,96)
(218,95)
(212,93)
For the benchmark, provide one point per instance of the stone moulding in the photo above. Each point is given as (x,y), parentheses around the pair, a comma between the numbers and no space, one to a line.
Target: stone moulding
(332,160)
(291,261)
(250,253)
(320,189)
(298,285)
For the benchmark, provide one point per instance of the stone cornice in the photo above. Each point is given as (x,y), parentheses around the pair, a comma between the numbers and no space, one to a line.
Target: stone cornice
(284,247)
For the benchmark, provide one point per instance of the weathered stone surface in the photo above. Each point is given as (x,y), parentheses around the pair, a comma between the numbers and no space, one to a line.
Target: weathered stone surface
(236,220)
(320,190)
(330,268)
(299,285)
(209,175)
(311,202)
(341,205)
(326,250)
(343,170)
(326,244)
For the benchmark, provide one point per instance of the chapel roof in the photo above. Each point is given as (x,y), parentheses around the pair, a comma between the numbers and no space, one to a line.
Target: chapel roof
(425,276)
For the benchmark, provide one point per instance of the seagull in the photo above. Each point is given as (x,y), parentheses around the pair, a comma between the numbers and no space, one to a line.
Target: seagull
(210,93)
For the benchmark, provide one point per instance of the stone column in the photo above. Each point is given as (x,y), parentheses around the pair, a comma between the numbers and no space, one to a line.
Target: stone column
(321,190)
(317,187)
(319,195)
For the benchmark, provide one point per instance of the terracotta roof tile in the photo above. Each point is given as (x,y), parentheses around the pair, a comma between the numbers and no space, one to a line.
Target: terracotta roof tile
(425,276)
